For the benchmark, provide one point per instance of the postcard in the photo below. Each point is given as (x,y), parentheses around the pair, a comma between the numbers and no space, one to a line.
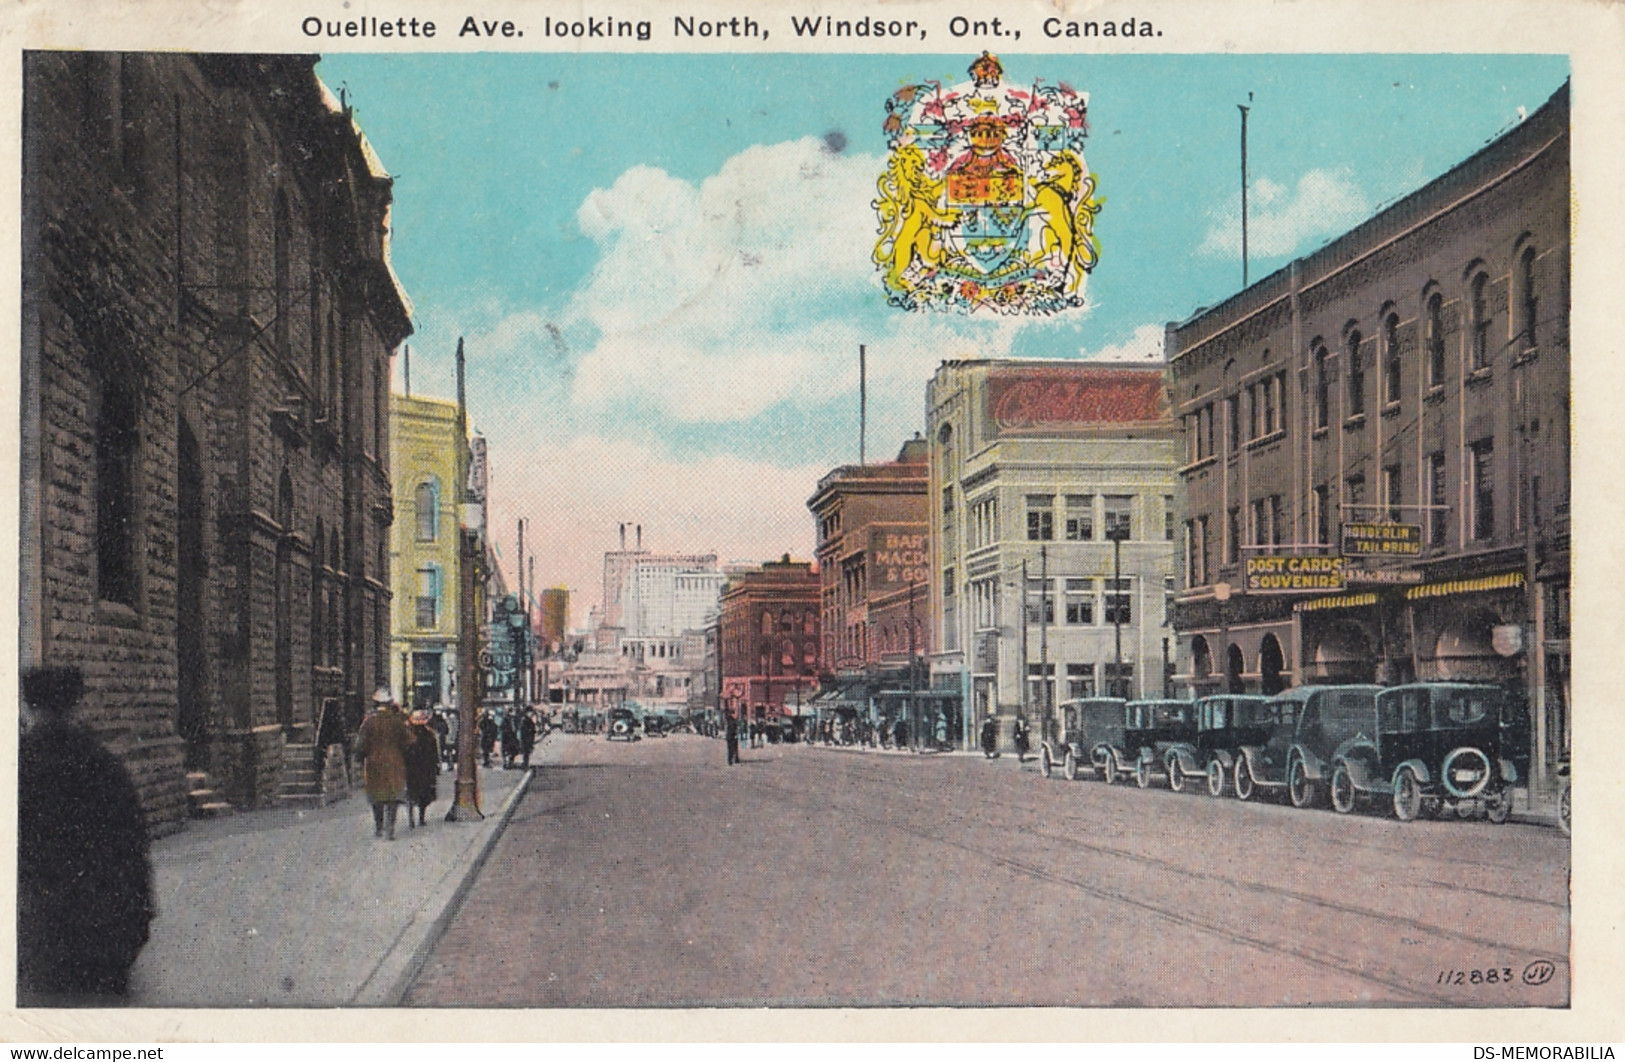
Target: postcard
(834,522)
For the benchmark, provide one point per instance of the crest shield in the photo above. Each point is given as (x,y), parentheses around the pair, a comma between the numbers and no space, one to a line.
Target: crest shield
(986,203)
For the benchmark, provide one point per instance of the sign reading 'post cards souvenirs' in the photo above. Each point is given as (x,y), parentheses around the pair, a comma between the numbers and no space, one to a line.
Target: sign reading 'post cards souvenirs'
(986,203)
(1289,575)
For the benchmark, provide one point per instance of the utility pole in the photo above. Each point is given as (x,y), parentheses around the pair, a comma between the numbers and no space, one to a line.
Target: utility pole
(1024,619)
(1117,532)
(863,404)
(1043,635)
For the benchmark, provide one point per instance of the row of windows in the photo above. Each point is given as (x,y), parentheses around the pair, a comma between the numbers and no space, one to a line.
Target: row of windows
(1081,681)
(1079,514)
(1072,600)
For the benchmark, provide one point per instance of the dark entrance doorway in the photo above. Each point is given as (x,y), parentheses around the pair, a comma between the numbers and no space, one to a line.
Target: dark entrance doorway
(425,680)
(191,719)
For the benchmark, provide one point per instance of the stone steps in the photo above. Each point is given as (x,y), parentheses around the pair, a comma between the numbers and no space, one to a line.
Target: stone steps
(301,782)
(203,801)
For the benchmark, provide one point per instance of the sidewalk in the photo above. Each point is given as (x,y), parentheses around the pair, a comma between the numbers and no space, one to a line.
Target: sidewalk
(304,907)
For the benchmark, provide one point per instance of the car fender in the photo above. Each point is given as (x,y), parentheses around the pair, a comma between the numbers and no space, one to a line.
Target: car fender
(1313,766)
(1077,752)
(1226,760)
(1420,769)
(1360,771)
(1186,755)
(1508,771)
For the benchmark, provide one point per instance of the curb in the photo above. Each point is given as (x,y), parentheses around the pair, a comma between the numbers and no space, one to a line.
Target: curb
(393,976)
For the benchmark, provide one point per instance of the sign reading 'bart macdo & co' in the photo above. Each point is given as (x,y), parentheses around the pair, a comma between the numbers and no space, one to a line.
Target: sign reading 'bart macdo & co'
(1382,540)
(1285,575)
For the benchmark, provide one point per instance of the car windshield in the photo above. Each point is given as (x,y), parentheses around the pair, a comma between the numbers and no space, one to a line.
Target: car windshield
(1285,712)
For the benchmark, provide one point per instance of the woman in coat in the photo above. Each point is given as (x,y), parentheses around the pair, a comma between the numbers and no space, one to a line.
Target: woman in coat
(381,743)
(422,766)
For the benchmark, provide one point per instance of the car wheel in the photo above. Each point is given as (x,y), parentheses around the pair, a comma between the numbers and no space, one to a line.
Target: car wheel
(1300,788)
(1176,775)
(1142,773)
(1215,778)
(1407,795)
(1069,766)
(1563,803)
(1110,767)
(1045,764)
(1246,786)
(1342,790)
(1498,808)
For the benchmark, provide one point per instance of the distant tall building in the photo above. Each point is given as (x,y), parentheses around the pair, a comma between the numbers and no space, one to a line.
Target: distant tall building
(555,615)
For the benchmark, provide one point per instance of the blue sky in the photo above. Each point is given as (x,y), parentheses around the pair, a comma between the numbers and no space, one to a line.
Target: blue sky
(660,263)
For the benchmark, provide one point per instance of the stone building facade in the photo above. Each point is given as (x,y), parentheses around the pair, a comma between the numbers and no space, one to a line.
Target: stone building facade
(209,316)
(1377,447)
(426,458)
(1035,466)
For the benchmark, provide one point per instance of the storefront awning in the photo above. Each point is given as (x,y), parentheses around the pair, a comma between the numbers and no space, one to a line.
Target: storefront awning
(1504,581)
(1340,601)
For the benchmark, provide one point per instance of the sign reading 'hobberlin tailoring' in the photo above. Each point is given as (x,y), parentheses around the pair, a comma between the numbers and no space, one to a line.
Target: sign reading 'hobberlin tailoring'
(1287,575)
(1382,540)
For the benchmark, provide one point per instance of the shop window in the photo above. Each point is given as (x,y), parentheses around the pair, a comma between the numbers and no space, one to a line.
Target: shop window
(1356,376)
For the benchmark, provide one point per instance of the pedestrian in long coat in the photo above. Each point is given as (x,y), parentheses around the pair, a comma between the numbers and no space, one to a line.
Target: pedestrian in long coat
(84,881)
(488,737)
(990,737)
(381,743)
(510,738)
(732,734)
(422,766)
(527,737)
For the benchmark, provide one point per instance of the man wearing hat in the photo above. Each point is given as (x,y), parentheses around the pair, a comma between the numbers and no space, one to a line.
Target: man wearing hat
(381,743)
(422,766)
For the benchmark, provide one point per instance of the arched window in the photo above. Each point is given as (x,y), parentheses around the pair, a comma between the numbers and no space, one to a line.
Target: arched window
(787,653)
(1356,376)
(1481,320)
(1528,300)
(767,623)
(426,498)
(1323,389)
(1391,375)
(1435,339)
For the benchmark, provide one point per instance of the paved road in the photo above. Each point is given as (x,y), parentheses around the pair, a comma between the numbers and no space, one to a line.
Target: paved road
(650,875)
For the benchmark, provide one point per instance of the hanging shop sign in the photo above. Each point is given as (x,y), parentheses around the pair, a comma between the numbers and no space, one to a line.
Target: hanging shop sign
(1278,574)
(986,204)
(1383,576)
(1382,540)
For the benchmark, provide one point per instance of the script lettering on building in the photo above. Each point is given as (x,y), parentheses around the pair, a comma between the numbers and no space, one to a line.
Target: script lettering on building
(1276,574)
(1062,401)
(1382,540)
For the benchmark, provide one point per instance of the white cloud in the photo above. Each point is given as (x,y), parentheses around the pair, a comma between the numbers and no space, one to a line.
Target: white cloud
(1282,221)
(1146,344)
(718,301)
(574,493)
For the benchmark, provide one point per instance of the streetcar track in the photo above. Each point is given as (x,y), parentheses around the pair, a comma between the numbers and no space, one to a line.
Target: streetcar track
(1258,888)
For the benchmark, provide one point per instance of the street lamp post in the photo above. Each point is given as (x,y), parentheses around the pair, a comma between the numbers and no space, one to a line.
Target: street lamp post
(1117,532)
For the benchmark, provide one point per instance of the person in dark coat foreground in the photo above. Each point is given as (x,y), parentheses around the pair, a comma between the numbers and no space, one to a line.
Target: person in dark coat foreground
(84,880)
(381,743)
(422,766)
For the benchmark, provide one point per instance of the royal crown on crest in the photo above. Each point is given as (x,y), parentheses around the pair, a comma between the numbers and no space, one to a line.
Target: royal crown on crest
(986,203)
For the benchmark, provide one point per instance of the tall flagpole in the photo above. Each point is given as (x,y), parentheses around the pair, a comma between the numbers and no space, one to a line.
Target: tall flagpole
(1244,109)
(863,404)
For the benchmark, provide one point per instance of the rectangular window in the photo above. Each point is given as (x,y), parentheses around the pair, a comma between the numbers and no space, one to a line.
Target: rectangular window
(1119,600)
(1080,517)
(1355,491)
(1320,500)
(1391,486)
(1119,679)
(1119,509)
(947,582)
(1040,517)
(1253,409)
(1483,489)
(1080,680)
(1267,389)
(1080,602)
(1232,417)
(428,599)
(1041,685)
(1232,535)
(1168,517)
(1261,522)
(1438,514)
(1276,514)
(1040,604)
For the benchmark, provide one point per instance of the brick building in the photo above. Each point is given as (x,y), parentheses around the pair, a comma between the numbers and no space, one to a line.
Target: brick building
(770,639)
(1036,467)
(1377,447)
(209,316)
(873,565)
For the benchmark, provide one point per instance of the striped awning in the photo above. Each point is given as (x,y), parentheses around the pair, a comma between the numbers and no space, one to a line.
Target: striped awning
(1504,581)
(1340,601)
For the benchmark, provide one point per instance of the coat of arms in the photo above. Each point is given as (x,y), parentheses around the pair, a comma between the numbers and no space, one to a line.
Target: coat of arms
(986,203)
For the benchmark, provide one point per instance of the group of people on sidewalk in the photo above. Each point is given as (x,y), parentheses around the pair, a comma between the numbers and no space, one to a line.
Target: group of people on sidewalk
(400,763)
(516,733)
(1020,737)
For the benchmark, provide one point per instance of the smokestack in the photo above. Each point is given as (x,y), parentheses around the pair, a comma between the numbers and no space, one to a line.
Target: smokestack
(623,538)
(640,536)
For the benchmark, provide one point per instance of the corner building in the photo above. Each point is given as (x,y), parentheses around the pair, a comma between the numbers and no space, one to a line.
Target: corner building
(1036,467)
(769,624)
(1392,411)
(208,318)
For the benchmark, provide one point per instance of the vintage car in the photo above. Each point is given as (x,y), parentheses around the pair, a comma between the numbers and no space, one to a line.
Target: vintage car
(623,724)
(1092,734)
(1224,723)
(1294,739)
(1151,729)
(1564,800)
(654,726)
(1433,744)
